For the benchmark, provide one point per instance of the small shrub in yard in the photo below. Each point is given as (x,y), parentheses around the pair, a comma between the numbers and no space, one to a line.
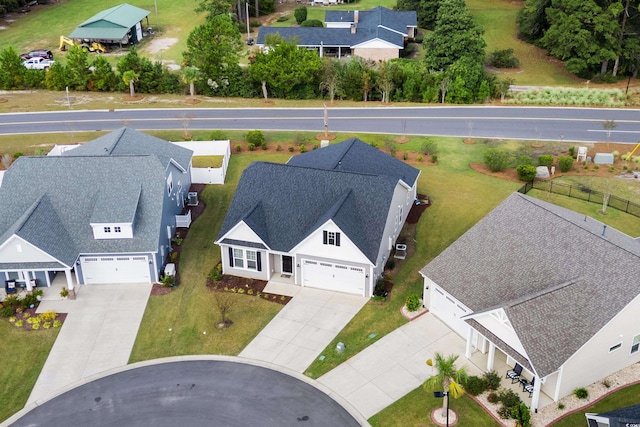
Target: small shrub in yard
(7,311)
(251,146)
(581,393)
(497,160)
(48,316)
(413,302)
(218,135)
(492,397)
(303,148)
(492,379)
(434,158)
(524,160)
(168,281)
(419,158)
(509,400)
(572,152)
(405,156)
(57,323)
(216,273)
(238,148)
(561,406)
(255,137)
(565,163)
(11,301)
(526,172)
(390,146)
(279,147)
(474,385)
(264,146)
(290,148)
(504,59)
(429,147)
(521,414)
(545,160)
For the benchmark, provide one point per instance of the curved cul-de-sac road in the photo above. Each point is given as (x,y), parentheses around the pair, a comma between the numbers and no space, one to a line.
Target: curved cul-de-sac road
(532,123)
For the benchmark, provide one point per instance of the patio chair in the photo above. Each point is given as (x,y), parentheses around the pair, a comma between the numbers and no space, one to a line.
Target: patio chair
(528,387)
(514,374)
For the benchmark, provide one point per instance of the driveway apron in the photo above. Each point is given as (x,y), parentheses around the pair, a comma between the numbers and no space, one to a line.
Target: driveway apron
(97,335)
(303,328)
(395,365)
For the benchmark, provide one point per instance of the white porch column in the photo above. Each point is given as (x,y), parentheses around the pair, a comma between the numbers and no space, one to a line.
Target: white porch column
(67,275)
(536,394)
(467,351)
(491,357)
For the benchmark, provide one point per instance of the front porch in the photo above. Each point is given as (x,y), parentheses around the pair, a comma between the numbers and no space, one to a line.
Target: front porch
(500,365)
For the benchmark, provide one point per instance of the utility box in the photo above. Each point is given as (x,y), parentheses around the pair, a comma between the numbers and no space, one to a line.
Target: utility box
(170,269)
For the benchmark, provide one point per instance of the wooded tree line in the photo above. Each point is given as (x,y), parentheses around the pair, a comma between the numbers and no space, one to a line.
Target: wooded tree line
(452,70)
(597,38)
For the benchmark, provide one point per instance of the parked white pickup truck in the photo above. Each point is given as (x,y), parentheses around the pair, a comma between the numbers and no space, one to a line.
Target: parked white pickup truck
(38,63)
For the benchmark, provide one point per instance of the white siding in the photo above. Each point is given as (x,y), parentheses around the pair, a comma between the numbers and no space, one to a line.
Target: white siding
(243,232)
(16,249)
(126,231)
(501,330)
(312,246)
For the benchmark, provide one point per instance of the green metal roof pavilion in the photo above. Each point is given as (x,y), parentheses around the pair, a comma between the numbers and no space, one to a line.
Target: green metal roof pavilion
(110,24)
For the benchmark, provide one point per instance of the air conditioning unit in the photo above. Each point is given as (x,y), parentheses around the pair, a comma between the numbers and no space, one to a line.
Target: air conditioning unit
(192,198)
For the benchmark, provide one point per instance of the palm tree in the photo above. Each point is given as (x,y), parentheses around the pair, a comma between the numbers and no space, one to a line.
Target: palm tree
(448,376)
(129,78)
(190,75)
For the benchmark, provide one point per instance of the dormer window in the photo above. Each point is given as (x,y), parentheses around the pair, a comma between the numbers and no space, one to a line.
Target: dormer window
(117,229)
(331,238)
(107,229)
(112,231)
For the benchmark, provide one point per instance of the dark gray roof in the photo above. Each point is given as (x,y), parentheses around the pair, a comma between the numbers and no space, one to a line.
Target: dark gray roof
(627,416)
(354,155)
(125,141)
(244,243)
(377,17)
(283,204)
(49,201)
(558,278)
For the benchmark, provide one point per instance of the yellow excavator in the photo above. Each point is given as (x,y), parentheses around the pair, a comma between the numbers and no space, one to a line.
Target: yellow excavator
(91,47)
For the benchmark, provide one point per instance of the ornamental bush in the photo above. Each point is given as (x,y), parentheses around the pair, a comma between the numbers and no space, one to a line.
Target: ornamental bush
(565,163)
(492,380)
(413,302)
(255,137)
(497,160)
(526,172)
(581,393)
(300,14)
(545,160)
(312,23)
(474,385)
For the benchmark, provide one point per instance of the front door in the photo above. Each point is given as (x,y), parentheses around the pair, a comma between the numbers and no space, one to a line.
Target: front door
(287,264)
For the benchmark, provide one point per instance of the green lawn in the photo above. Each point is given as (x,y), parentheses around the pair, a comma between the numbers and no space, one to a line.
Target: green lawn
(190,309)
(626,397)
(415,408)
(207,161)
(23,354)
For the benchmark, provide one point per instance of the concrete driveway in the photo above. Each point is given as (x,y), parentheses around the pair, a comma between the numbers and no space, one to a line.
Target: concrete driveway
(395,365)
(303,328)
(98,334)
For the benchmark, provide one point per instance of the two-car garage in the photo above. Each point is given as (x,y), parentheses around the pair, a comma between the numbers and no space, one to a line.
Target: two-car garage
(115,269)
(334,277)
(449,310)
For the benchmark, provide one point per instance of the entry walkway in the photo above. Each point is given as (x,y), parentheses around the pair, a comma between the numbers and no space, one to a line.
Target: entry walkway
(395,365)
(304,327)
(97,335)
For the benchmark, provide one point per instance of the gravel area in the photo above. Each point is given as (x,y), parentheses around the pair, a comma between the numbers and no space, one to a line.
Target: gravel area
(597,390)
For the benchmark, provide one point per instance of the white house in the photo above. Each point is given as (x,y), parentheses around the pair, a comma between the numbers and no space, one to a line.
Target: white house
(327,219)
(555,291)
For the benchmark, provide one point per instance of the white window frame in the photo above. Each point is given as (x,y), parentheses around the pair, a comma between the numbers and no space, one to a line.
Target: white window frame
(252,259)
(635,344)
(169,184)
(238,258)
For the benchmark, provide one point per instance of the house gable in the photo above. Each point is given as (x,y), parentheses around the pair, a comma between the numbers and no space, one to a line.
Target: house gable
(375,43)
(17,250)
(497,321)
(241,233)
(324,245)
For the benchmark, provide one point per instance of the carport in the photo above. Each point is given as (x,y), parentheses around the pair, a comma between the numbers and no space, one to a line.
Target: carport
(120,24)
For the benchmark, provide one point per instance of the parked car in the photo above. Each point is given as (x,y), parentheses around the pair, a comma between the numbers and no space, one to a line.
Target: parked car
(46,54)
(38,63)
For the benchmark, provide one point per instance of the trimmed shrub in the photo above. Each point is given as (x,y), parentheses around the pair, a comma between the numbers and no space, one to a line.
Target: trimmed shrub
(521,414)
(434,158)
(413,302)
(11,301)
(300,13)
(303,148)
(565,163)
(526,172)
(238,148)
(492,397)
(497,160)
(524,160)
(251,146)
(168,281)
(312,23)
(255,137)
(429,147)
(572,152)
(474,385)
(218,135)
(509,398)
(581,393)
(504,59)
(492,380)
(545,160)
(28,301)
(7,311)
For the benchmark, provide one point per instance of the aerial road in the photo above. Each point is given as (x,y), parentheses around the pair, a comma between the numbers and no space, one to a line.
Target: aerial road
(531,123)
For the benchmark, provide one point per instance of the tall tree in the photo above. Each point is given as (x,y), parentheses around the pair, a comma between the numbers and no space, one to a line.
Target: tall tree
(78,71)
(289,72)
(532,20)
(330,77)
(456,35)
(214,47)
(12,72)
(104,79)
(448,376)
(214,8)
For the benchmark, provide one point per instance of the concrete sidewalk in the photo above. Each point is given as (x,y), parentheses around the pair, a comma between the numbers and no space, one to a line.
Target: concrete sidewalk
(303,328)
(98,334)
(395,365)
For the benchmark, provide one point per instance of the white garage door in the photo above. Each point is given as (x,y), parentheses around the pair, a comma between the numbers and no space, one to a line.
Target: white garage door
(123,269)
(449,310)
(334,277)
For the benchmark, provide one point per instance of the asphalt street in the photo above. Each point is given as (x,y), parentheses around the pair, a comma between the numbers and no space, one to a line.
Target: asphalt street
(192,393)
(532,123)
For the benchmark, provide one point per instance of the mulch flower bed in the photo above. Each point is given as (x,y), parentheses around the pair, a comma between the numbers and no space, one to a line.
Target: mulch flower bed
(242,285)
(21,320)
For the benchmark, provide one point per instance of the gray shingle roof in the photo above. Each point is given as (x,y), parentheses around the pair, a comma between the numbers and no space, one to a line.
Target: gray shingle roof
(49,201)
(126,141)
(557,277)
(295,200)
(354,155)
(380,23)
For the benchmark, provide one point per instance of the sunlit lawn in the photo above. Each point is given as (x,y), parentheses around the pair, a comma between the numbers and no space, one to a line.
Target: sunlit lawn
(23,354)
